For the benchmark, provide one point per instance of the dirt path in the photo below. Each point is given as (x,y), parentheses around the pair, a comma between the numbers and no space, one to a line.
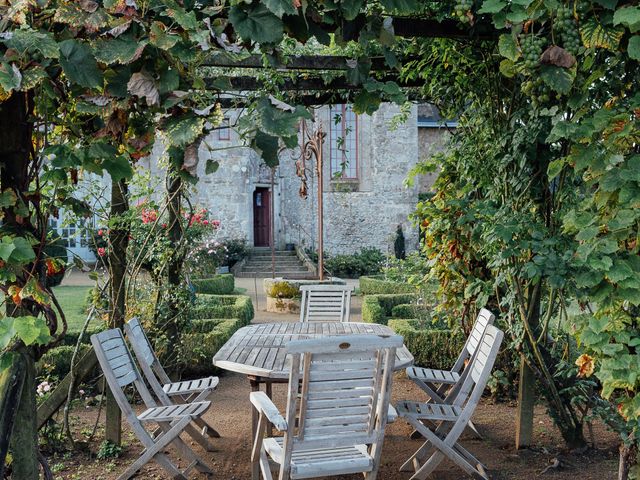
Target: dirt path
(230,414)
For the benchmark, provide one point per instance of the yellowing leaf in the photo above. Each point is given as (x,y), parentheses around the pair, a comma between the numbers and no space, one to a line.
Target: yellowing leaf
(596,35)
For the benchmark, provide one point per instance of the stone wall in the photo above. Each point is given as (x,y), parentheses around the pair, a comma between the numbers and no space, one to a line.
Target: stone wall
(357,213)
(364,213)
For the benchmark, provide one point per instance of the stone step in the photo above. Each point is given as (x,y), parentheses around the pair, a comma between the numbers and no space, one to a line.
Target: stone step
(279,253)
(278,261)
(293,275)
(278,269)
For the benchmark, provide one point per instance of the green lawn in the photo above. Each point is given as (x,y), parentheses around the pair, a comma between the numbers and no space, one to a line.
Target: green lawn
(72,301)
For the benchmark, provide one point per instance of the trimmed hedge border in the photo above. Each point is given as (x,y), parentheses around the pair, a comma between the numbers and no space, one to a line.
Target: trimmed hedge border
(376,285)
(203,345)
(223,284)
(378,308)
(223,306)
(216,318)
(430,347)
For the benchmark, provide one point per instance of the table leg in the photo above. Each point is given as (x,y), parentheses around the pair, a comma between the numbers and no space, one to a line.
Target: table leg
(268,391)
(255,387)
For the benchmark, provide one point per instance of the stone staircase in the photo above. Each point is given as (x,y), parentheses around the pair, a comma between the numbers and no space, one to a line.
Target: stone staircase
(258,264)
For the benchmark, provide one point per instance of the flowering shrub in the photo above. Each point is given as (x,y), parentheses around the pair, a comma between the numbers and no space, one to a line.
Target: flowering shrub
(43,388)
(211,254)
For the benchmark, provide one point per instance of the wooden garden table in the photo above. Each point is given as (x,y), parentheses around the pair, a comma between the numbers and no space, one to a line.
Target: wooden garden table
(258,351)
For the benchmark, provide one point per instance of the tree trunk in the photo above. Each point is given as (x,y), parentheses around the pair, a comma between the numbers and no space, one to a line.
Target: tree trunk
(17,385)
(526,404)
(628,458)
(174,268)
(11,383)
(119,241)
(24,438)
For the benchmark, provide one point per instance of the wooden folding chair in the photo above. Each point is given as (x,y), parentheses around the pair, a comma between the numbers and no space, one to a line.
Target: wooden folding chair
(168,392)
(442,385)
(120,371)
(325,303)
(452,419)
(337,409)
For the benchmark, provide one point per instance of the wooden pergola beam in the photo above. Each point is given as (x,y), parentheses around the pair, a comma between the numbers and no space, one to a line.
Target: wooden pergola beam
(306,99)
(293,62)
(247,84)
(427,28)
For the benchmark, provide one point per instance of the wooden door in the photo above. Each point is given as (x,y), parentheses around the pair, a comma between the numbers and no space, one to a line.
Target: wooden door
(261,217)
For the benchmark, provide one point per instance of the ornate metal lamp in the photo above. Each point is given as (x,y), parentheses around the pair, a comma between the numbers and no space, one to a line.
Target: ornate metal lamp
(312,142)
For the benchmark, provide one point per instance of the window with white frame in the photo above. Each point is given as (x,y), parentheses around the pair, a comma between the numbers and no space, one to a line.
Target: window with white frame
(344,142)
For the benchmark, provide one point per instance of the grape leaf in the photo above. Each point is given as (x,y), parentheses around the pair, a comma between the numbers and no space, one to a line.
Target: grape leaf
(141,84)
(29,41)
(629,17)
(256,23)
(557,78)
(159,38)
(633,48)
(10,77)
(184,131)
(31,330)
(211,166)
(351,8)
(7,331)
(508,47)
(79,64)
(23,251)
(596,35)
(123,50)
(267,147)
(280,7)
(492,6)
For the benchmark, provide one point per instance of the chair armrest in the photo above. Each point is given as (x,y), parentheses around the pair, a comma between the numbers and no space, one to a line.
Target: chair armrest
(264,405)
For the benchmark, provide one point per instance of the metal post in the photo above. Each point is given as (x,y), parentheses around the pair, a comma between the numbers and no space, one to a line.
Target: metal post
(272,226)
(320,208)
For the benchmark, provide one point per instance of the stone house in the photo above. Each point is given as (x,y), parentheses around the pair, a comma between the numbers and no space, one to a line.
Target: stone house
(364,170)
(365,197)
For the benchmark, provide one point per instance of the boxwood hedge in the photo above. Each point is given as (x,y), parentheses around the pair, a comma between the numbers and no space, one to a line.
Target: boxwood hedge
(202,344)
(223,284)
(223,306)
(379,308)
(375,285)
(433,348)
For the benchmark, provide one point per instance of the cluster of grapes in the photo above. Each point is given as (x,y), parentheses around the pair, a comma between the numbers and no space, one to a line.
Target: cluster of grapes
(531,50)
(461,9)
(566,26)
(539,91)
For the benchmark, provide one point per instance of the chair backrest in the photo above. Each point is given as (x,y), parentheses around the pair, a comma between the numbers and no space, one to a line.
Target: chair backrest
(147,358)
(325,303)
(119,369)
(339,391)
(480,368)
(484,318)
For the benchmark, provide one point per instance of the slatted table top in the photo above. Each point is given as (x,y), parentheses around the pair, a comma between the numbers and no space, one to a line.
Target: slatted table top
(259,350)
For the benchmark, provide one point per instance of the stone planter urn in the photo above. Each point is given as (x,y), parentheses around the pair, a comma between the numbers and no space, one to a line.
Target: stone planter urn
(283,295)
